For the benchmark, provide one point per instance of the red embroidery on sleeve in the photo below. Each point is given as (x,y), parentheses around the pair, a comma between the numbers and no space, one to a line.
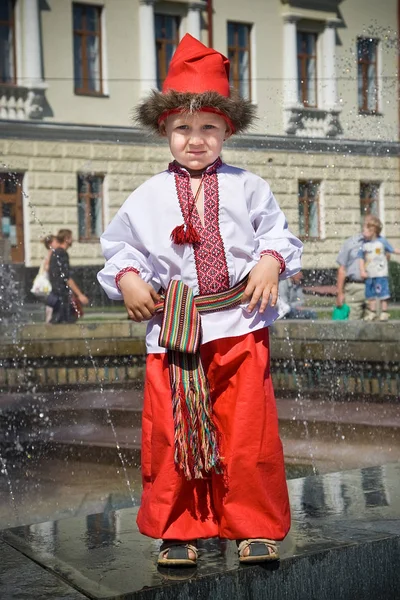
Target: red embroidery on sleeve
(122,272)
(277,256)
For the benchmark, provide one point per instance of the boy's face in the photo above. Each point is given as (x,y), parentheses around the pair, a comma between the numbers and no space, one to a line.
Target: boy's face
(368,232)
(195,140)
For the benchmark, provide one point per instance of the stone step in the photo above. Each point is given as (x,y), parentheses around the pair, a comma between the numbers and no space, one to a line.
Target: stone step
(87,419)
(99,436)
(45,411)
(52,418)
(74,399)
(354,413)
(131,400)
(359,423)
(337,455)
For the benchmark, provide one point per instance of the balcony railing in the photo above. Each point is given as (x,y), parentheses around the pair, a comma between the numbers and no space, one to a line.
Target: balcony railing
(21,103)
(312,122)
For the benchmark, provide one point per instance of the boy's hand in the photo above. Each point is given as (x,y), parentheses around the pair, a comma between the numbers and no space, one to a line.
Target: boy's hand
(139,297)
(262,283)
(364,274)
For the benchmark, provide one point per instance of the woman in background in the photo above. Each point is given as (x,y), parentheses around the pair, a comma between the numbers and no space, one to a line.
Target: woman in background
(51,243)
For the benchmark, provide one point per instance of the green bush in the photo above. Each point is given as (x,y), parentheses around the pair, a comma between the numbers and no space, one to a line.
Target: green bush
(394,278)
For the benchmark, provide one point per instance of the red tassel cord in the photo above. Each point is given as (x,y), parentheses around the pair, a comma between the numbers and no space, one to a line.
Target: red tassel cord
(178,235)
(186,233)
(191,235)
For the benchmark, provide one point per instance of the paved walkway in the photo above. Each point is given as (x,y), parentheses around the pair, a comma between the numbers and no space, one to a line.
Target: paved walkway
(343,543)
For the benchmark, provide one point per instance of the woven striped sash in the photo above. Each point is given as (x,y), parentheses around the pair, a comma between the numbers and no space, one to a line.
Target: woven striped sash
(195,436)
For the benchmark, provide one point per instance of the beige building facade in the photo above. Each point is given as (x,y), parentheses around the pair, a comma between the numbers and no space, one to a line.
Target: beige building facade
(322,74)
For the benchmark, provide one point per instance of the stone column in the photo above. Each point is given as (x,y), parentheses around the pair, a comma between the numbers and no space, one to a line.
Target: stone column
(147,47)
(329,72)
(194,19)
(32,106)
(290,93)
(32,69)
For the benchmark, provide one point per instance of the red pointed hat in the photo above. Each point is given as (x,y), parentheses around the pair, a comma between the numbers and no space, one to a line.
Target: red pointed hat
(195,68)
(197,80)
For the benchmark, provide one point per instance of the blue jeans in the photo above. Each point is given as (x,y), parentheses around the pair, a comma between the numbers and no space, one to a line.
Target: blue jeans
(377,287)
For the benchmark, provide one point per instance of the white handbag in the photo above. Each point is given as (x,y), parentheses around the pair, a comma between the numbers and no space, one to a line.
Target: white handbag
(41,286)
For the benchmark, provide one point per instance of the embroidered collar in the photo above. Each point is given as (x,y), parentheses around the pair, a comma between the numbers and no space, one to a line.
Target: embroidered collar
(174,167)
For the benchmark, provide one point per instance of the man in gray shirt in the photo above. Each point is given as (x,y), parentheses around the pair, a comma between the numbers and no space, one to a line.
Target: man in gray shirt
(350,285)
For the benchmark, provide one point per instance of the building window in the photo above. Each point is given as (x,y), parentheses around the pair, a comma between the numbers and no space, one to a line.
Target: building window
(167,39)
(309,209)
(7,42)
(87,49)
(240,58)
(90,207)
(367,52)
(307,68)
(369,199)
(11,217)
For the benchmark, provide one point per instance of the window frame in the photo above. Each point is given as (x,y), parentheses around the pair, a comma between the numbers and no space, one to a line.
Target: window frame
(11,25)
(161,44)
(87,196)
(84,33)
(13,198)
(302,75)
(234,62)
(364,110)
(305,201)
(369,200)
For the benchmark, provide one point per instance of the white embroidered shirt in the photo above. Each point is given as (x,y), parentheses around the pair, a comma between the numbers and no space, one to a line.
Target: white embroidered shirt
(241,220)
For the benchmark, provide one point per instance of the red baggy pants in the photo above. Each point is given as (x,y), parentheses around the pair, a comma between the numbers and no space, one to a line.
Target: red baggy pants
(250,500)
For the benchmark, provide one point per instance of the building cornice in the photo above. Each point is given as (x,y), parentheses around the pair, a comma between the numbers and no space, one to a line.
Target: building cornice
(63,132)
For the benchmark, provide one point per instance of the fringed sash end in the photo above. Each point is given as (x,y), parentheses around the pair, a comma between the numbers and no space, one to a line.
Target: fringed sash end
(196,444)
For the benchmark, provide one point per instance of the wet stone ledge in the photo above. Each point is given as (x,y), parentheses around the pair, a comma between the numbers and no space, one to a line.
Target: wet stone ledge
(353,359)
(328,340)
(344,544)
(21,578)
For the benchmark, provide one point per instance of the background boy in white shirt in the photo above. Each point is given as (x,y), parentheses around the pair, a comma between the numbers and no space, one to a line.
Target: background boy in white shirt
(374,267)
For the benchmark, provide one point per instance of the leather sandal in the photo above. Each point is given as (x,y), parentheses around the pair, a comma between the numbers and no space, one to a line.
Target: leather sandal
(176,554)
(260,550)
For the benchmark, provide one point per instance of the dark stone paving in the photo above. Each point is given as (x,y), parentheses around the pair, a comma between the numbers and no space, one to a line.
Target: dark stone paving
(23,579)
(344,543)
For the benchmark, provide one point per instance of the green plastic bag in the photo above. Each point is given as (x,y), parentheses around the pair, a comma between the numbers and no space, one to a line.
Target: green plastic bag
(341,313)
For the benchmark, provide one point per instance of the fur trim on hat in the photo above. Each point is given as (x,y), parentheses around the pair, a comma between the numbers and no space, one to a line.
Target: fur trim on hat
(241,112)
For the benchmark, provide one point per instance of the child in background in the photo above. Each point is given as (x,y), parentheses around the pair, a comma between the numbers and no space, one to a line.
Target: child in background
(51,243)
(198,251)
(374,268)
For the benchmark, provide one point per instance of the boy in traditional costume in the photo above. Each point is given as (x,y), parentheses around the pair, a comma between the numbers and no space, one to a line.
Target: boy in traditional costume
(198,251)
